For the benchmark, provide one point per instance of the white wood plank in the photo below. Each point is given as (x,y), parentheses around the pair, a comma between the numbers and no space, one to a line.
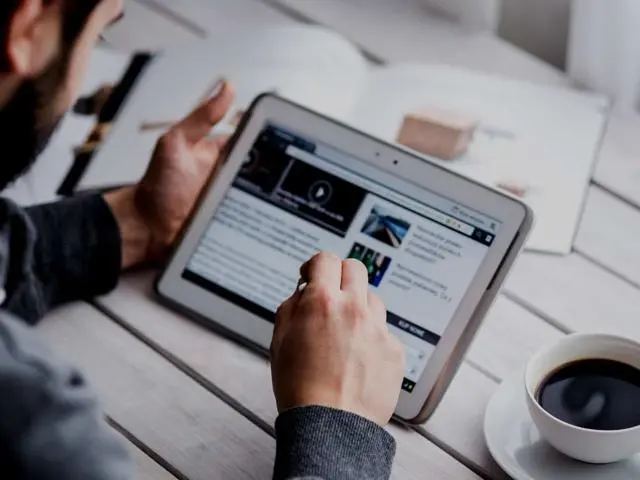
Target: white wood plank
(458,420)
(610,234)
(572,292)
(401,31)
(212,15)
(145,29)
(146,468)
(481,15)
(223,362)
(619,166)
(170,413)
(508,337)
(576,294)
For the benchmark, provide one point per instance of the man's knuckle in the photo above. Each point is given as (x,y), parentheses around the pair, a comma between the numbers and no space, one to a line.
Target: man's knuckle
(357,311)
(324,298)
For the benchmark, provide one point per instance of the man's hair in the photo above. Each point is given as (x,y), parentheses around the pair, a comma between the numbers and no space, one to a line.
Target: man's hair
(7,7)
(75,14)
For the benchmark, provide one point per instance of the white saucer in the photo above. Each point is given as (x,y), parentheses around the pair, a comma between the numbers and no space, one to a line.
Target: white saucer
(516,445)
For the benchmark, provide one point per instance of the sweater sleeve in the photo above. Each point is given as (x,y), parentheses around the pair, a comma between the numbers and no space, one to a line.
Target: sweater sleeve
(51,427)
(322,443)
(67,250)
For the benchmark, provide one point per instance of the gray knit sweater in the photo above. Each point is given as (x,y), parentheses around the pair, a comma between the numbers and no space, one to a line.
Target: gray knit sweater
(51,427)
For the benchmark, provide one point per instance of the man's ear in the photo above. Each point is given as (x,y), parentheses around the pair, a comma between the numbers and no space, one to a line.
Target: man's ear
(33,36)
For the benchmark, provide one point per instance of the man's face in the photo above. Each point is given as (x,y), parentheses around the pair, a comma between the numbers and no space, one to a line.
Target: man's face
(33,111)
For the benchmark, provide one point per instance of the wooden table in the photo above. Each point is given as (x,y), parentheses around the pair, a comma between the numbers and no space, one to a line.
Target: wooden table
(195,405)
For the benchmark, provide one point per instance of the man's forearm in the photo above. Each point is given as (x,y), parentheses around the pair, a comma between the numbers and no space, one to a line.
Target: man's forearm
(57,253)
(319,442)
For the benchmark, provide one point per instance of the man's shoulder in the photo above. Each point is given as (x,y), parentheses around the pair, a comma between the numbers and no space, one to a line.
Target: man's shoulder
(49,412)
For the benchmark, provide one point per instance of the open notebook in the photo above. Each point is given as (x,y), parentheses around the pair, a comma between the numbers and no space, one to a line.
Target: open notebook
(544,138)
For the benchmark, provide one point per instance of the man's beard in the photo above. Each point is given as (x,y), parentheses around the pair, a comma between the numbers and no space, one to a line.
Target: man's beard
(28,121)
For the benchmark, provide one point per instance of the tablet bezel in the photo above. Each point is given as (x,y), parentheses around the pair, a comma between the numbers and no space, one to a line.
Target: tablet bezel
(392,164)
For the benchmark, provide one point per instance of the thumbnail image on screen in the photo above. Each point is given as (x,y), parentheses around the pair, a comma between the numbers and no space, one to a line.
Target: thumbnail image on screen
(384,227)
(375,262)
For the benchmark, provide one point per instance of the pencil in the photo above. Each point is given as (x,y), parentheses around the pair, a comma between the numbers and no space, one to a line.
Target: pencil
(151,126)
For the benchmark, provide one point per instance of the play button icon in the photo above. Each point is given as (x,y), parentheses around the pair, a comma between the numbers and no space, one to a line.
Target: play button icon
(320,192)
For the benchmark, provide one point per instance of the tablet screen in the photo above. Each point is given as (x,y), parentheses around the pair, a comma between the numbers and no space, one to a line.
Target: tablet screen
(294,197)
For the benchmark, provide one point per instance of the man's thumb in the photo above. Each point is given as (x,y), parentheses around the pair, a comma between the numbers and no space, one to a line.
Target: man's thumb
(199,123)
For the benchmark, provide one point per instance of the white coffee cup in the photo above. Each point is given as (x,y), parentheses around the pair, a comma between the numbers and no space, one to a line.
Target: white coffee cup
(592,446)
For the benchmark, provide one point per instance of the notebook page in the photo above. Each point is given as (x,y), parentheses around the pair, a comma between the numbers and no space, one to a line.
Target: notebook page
(540,137)
(308,65)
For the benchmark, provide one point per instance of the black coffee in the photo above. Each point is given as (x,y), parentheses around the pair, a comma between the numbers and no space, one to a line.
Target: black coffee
(595,394)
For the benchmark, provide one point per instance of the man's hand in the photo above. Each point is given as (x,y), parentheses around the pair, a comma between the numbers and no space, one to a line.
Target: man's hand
(151,214)
(331,345)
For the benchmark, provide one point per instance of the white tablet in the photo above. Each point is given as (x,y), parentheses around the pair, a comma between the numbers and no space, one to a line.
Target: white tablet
(437,246)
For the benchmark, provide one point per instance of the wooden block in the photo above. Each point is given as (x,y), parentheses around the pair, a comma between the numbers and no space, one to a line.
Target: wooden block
(437,132)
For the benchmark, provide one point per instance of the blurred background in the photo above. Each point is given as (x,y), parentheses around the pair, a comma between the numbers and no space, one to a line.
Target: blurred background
(596,42)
